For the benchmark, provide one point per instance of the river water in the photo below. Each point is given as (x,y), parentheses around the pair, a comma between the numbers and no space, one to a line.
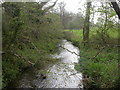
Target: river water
(63,73)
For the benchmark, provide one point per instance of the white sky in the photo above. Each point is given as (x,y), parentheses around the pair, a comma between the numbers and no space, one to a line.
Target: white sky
(73,5)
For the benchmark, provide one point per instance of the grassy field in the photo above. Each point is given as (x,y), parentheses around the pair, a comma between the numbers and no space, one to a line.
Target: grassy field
(93,32)
(98,62)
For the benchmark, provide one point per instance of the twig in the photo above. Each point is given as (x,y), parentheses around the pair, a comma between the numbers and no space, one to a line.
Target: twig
(102,49)
(98,53)
(34,46)
(23,58)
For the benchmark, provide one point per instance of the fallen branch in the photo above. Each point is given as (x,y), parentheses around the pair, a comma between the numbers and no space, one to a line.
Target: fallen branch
(74,52)
(69,51)
(84,56)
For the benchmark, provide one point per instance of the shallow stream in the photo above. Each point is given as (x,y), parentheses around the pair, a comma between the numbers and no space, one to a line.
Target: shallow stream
(63,73)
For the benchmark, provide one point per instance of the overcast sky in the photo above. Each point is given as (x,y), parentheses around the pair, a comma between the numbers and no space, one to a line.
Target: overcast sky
(73,5)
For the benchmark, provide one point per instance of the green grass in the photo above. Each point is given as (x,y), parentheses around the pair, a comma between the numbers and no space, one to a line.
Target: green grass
(113,33)
(77,35)
(93,32)
(101,70)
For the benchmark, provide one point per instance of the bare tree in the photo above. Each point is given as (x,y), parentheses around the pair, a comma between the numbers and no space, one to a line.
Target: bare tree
(62,12)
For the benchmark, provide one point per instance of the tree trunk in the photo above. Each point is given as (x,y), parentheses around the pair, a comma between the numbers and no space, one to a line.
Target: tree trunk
(104,30)
(86,24)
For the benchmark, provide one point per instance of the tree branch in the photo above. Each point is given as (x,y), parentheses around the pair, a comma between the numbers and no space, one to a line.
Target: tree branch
(42,4)
(46,9)
(116,8)
(92,58)
(69,51)
(74,52)
(98,53)
(19,56)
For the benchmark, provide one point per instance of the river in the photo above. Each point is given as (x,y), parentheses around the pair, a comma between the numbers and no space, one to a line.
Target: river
(62,74)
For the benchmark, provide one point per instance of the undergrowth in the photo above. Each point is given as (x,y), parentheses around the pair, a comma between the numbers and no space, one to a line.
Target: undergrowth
(98,62)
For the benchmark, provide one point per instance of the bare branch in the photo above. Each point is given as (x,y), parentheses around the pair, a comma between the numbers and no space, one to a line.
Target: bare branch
(19,56)
(41,5)
(69,51)
(98,53)
(116,8)
(91,58)
(48,8)
(74,53)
